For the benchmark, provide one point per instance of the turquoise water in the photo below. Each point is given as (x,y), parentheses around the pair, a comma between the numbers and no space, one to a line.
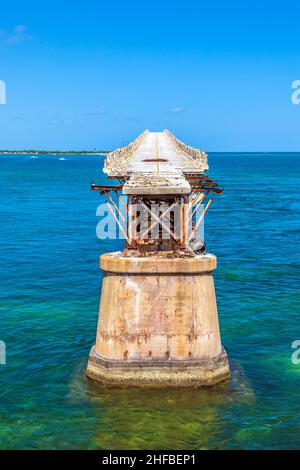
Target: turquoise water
(50,287)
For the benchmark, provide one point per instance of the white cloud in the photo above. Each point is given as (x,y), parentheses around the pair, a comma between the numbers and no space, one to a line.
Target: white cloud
(176,110)
(16,35)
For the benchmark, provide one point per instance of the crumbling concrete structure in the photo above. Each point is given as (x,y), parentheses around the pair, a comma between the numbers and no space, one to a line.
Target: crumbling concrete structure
(158,321)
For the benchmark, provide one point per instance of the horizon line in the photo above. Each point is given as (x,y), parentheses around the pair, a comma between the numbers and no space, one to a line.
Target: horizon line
(108,151)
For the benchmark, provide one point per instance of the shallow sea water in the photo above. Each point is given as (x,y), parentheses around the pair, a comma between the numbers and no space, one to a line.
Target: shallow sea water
(50,288)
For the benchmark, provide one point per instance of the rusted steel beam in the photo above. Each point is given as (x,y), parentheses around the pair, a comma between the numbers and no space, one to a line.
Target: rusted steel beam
(201,189)
(198,204)
(115,206)
(199,197)
(118,222)
(205,183)
(185,209)
(200,219)
(195,172)
(198,178)
(217,190)
(121,201)
(105,188)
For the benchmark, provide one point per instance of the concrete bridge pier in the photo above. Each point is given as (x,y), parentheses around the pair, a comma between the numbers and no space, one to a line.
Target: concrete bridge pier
(158,323)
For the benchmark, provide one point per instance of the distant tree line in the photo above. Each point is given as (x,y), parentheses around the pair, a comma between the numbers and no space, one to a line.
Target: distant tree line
(32,151)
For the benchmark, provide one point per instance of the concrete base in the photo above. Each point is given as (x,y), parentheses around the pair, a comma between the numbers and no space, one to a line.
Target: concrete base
(158,323)
(170,373)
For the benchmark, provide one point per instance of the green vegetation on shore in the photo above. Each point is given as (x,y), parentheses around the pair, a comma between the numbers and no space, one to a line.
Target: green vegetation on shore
(55,152)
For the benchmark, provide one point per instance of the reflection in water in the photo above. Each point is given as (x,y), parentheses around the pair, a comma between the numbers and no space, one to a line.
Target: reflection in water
(133,418)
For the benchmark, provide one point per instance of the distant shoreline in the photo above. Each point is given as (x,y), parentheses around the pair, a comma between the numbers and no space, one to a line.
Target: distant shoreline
(53,152)
(106,152)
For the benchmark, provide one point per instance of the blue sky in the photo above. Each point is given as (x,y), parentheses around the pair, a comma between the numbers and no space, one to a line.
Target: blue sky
(95,74)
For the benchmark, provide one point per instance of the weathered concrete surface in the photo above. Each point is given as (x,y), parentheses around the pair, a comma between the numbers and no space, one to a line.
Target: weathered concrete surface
(154,164)
(158,323)
(158,373)
(116,262)
(163,182)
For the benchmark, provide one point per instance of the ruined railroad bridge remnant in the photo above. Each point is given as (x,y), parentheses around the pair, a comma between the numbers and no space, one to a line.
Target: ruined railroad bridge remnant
(158,321)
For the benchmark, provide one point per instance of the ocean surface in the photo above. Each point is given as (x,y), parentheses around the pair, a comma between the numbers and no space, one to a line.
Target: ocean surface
(49,295)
